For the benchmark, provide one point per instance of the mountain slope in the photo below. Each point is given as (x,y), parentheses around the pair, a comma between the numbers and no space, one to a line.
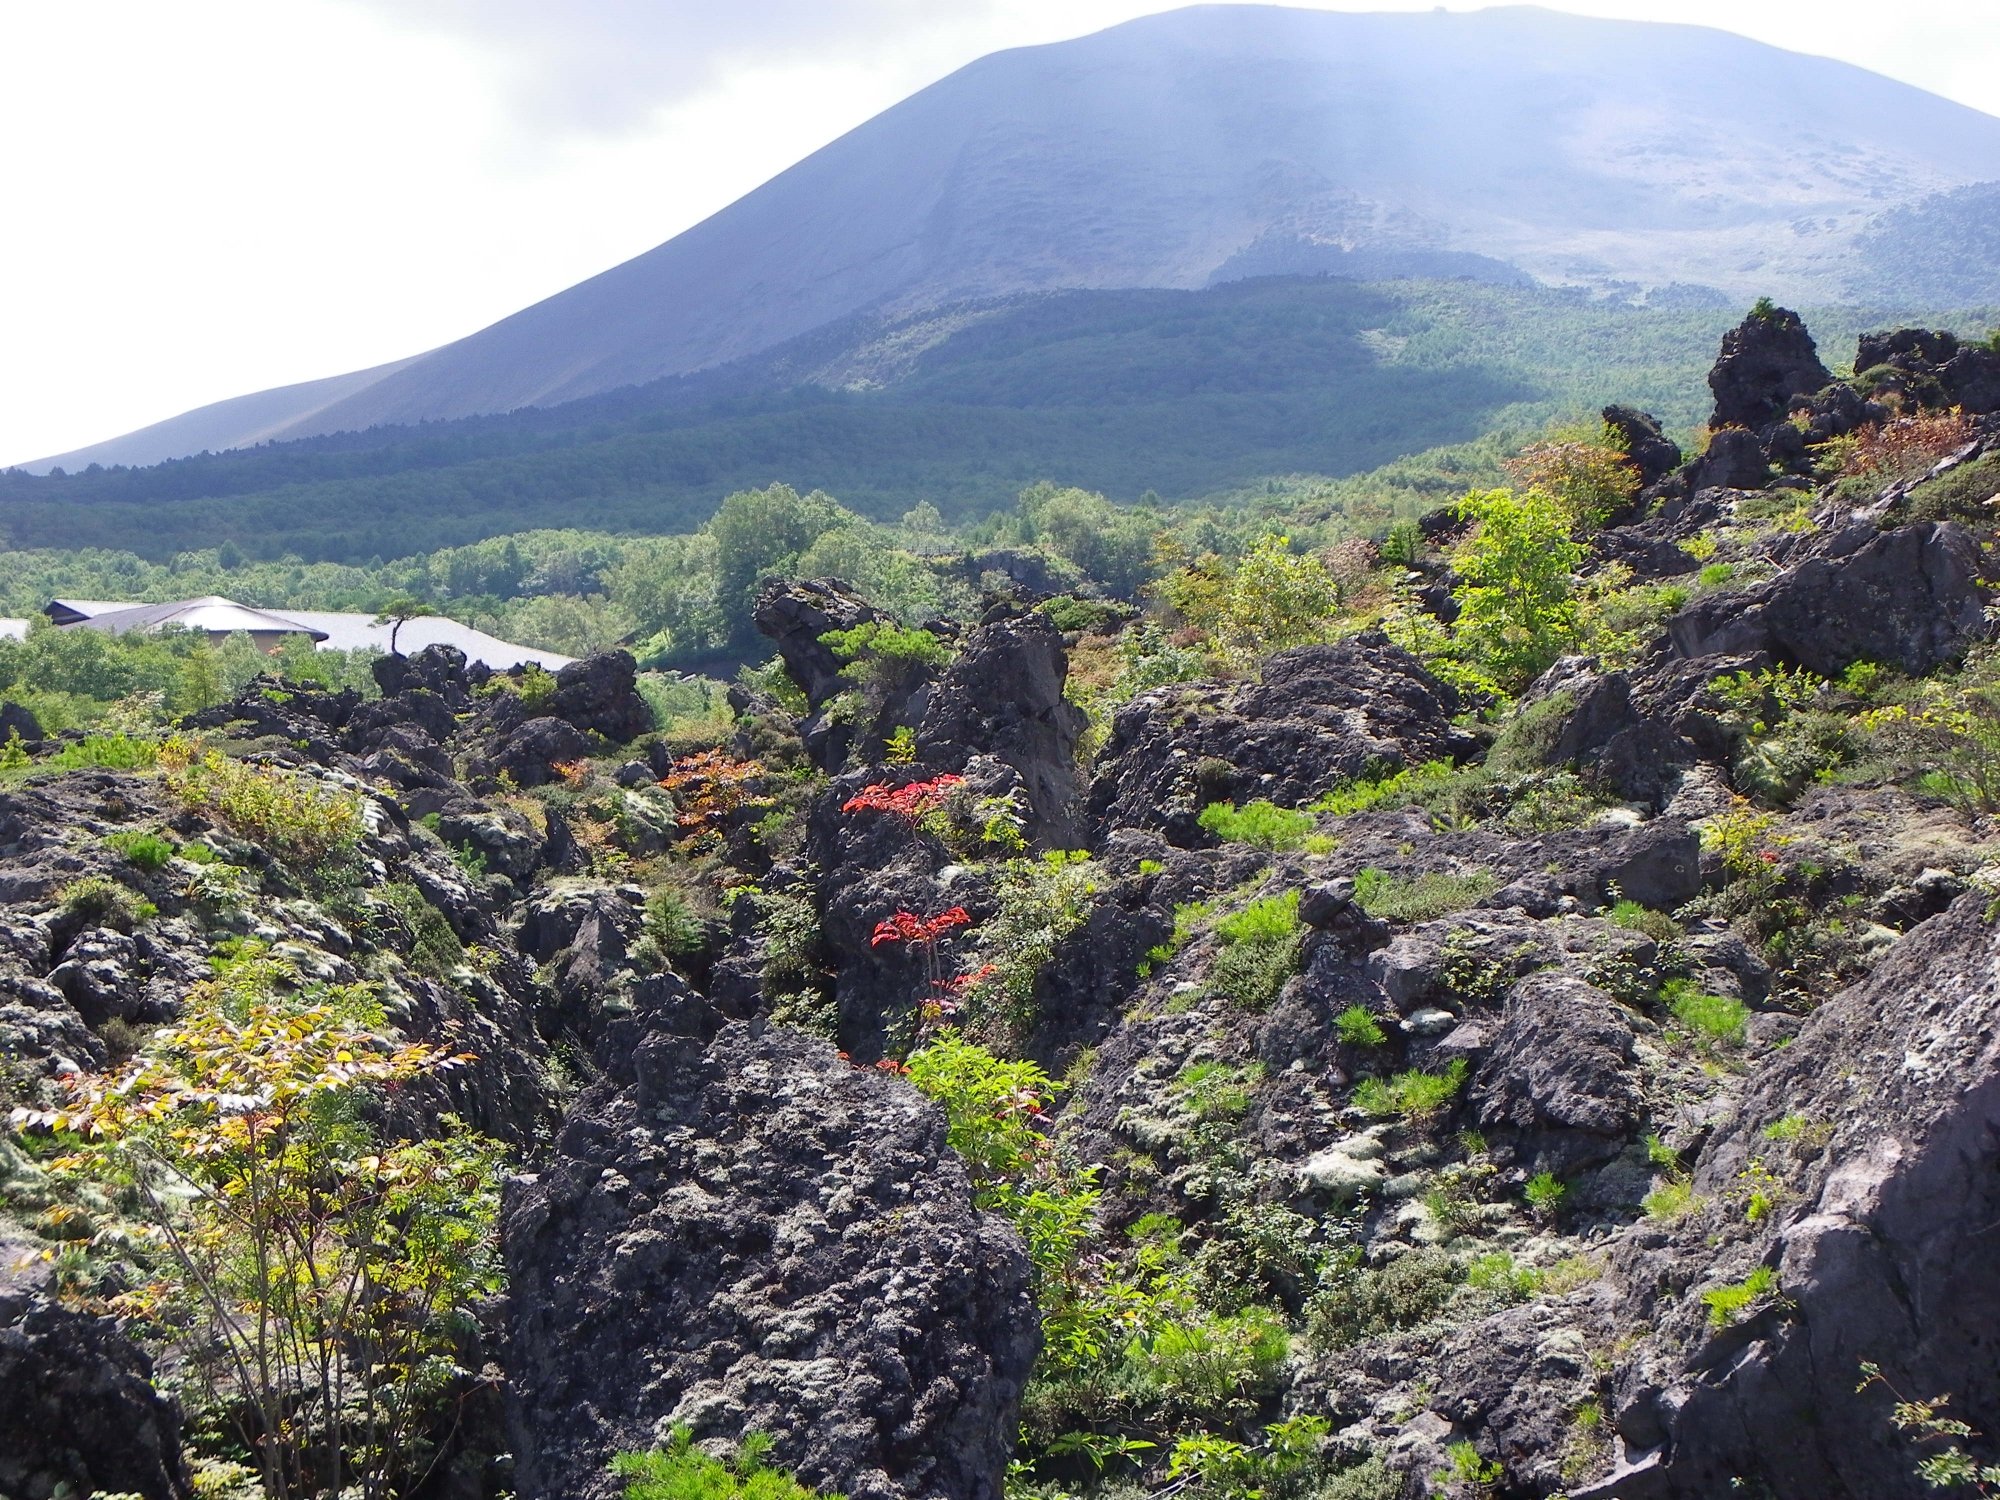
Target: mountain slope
(1205,143)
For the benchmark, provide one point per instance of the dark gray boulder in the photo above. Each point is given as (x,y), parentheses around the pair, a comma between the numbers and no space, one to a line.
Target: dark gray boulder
(78,1412)
(1319,716)
(1765,361)
(1735,460)
(1912,598)
(1003,696)
(600,695)
(16,719)
(1560,1071)
(794,614)
(754,1233)
(531,752)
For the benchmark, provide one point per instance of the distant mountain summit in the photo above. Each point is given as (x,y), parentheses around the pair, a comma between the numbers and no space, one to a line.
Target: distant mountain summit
(1219,142)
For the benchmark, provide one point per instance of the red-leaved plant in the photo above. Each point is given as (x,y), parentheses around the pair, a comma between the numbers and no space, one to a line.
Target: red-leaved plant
(909,803)
(941,995)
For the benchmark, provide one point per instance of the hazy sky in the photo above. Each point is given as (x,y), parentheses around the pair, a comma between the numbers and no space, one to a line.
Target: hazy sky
(209,197)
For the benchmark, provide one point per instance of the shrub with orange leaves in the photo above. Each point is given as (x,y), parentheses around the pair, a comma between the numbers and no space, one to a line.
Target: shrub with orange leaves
(708,787)
(1591,480)
(1904,447)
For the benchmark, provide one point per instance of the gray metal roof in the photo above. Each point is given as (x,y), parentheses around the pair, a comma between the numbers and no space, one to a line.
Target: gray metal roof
(12,629)
(69,611)
(211,614)
(336,630)
(348,632)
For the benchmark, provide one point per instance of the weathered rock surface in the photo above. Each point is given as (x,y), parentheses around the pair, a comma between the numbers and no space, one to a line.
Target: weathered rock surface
(754,1233)
(1319,716)
(1003,696)
(1911,598)
(1765,361)
(78,1412)
(1878,1243)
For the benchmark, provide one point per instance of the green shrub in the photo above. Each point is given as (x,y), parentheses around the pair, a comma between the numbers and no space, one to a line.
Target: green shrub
(1073,616)
(1260,951)
(99,902)
(681,1471)
(1261,823)
(1517,610)
(146,850)
(1412,1094)
(1269,919)
(1042,899)
(673,923)
(1208,1365)
(1272,598)
(302,823)
(1712,1018)
(1421,898)
(1357,1027)
(105,752)
(1545,1192)
(536,687)
(1727,1303)
(1358,1303)
(1961,494)
(882,656)
(1672,1200)
(990,1107)
(1217,1091)
(1411,784)
(1497,1271)
(1656,925)
(1371,1479)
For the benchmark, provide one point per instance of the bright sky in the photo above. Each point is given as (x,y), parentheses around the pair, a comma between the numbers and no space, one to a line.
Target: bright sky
(211,197)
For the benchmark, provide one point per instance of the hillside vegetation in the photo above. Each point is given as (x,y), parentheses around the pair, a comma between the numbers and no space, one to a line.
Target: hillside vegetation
(1417,1017)
(1281,383)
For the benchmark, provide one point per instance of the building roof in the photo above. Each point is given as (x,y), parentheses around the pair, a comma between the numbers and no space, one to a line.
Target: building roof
(211,614)
(348,632)
(12,629)
(336,630)
(69,611)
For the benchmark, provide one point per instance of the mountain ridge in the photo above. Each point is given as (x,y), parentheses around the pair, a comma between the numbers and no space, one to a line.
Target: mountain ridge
(1156,153)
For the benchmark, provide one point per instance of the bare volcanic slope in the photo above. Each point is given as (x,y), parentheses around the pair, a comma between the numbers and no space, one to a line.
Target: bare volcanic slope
(1216,142)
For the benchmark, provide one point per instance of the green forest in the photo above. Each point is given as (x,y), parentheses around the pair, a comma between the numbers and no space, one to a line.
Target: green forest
(1188,396)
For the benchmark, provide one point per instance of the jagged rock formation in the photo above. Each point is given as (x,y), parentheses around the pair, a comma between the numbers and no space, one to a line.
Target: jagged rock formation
(1003,696)
(750,1233)
(1766,361)
(1318,715)
(1931,366)
(1583,1110)
(78,1412)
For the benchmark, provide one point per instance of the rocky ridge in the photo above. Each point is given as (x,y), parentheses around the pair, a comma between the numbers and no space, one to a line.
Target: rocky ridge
(1575,1100)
